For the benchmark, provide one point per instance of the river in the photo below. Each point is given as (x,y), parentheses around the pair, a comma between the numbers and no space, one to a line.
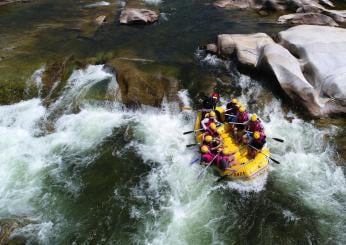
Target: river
(90,171)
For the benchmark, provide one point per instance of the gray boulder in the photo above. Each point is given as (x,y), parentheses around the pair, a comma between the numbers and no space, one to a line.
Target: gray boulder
(138,16)
(307,18)
(308,63)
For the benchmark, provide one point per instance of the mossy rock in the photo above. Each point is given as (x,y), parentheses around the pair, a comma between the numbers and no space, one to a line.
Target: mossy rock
(145,84)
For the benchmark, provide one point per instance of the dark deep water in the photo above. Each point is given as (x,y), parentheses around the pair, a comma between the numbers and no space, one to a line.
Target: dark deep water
(109,175)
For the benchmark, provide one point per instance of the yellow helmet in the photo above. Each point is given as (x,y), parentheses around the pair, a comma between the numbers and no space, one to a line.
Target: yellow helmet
(212,126)
(226,151)
(256,135)
(212,114)
(254,118)
(234,101)
(208,138)
(238,104)
(219,130)
(204,149)
(242,109)
(206,115)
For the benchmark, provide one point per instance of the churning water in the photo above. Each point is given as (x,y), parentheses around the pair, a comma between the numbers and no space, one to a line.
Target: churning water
(108,174)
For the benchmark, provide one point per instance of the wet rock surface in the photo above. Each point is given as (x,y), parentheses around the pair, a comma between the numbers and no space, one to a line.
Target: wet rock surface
(316,12)
(8,226)
(141,87)
(138,16)
(308,63)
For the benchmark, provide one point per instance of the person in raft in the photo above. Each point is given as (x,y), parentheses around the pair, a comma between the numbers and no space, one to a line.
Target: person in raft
(225,159)
(231,111)
(216,99)
(254,124)
(240,127)
(209,119)
(214,143)
(256,143)
(207,155)
(210,103)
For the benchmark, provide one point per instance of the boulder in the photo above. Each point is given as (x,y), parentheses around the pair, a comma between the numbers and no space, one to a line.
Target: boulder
(308,63)
(286,69)
(307,18)
(245,47)
(8,226)
(322,51)
(139,87)
(100,19)
(138,16)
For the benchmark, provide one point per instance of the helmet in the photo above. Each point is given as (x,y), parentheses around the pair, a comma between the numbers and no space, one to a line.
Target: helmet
(254,118)
(238,104)
(206,115)
(256,135)
(208,138)
(226,151)
(234,101)
(219,130)
(212,126)
(215,95)
(204,149)
(212,114)
(242,109)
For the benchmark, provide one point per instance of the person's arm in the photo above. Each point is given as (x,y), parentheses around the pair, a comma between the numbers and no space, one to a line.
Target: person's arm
(204,121)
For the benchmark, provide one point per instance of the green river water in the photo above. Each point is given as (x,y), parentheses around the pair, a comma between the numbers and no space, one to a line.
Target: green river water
(111,175)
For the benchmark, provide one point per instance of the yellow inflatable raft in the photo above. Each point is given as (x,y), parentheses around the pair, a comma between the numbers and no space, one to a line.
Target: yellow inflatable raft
(245,168)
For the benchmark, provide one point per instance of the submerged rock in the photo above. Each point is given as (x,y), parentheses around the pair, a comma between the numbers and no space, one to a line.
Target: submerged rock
(315,11)
(138,16)
(100,19)
(307,18)
(308,63)
(8,226)
(138,87)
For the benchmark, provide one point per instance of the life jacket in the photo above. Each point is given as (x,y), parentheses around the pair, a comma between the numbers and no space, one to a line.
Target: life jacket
(259,143)
(256,126)
(242,117)
(207,157)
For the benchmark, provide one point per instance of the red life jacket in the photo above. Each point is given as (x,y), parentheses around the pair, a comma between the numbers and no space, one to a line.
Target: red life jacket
(256,126)
(242,117)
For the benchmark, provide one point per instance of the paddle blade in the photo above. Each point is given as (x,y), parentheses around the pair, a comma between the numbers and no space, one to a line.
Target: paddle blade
(188,132)
(189,145)
(276,161)
(279,140)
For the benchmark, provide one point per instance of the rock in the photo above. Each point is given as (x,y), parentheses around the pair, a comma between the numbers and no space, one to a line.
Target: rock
(138,87)
(308,63)
(138,16)
(232,4)
(322,51)
(54,78)
(245,47)
(211,48)
(299,6)
(6,2)
(100,19)
(286,69)
(307,18)
(7,226)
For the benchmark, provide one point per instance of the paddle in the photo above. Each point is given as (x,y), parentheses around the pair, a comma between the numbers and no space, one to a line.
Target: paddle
(189,132)
(205,169)
(195,160)
(277,139)
(189,145)
(230,115)
(276,161)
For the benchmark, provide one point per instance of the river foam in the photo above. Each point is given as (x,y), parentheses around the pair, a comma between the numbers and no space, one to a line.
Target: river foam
(173,207)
